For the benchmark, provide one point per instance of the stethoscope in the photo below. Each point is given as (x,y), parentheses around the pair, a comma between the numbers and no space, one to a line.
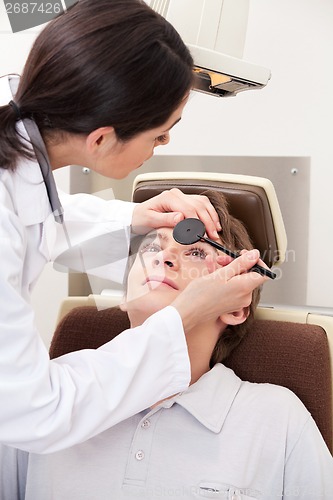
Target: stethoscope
(39,148)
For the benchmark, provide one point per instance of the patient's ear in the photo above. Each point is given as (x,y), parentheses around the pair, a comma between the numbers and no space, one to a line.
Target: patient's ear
(235,317)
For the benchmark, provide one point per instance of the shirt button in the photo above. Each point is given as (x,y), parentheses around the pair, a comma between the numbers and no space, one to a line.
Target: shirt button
(145,424)
(140,455)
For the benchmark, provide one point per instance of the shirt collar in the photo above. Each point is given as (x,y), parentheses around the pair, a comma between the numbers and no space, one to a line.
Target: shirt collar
(210,398)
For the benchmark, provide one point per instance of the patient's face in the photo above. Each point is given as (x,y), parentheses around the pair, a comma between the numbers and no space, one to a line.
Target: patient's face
(162,269)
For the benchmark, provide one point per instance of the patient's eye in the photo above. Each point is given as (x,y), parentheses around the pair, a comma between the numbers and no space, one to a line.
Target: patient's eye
(197,252)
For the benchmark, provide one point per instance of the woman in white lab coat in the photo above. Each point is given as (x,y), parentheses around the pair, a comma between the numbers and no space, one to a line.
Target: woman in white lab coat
(103,85)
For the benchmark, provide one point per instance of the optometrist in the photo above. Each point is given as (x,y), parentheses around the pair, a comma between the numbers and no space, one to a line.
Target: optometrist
(103,85)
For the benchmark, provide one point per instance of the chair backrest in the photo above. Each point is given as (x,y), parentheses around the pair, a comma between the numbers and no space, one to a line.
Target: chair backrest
(251,199)
(287,353)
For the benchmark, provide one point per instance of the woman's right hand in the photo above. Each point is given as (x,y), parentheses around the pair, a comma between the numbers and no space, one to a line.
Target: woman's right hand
(223,290)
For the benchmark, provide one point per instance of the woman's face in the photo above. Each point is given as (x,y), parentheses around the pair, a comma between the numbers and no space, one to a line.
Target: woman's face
(162,269)
(122,158)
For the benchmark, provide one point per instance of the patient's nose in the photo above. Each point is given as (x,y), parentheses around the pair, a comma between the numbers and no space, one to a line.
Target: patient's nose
(166,258)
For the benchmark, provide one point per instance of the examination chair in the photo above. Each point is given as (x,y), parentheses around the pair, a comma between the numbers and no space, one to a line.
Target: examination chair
(291,348)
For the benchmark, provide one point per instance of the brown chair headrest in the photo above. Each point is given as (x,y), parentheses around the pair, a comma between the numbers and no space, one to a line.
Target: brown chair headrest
(247,203)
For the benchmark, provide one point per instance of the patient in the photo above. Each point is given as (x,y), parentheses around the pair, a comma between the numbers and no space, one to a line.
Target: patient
(223,438)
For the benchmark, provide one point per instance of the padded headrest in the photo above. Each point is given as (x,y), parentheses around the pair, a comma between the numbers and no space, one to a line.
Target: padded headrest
(248,201)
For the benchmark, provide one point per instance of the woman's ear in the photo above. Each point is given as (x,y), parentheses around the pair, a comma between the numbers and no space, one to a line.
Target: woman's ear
(99,139)
(235,317)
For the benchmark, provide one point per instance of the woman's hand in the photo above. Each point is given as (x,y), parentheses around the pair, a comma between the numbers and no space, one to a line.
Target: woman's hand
(222,290)
(223,260)
(170,207)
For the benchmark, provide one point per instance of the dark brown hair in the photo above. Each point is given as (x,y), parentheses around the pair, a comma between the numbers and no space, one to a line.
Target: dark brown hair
(102,63)
(235,237)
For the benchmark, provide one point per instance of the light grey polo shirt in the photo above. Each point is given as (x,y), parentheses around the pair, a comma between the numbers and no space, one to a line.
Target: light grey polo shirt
(221,439)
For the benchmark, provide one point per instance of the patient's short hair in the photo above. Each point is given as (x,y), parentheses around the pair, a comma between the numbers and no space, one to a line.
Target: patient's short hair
(235,237)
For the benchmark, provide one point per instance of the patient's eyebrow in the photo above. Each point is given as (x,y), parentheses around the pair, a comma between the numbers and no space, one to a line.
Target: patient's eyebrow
(162,236)
(152,236)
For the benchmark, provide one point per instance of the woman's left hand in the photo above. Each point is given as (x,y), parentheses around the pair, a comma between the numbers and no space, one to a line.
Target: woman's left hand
(170,207)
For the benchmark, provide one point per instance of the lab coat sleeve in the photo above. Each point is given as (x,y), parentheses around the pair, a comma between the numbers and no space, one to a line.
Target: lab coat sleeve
(309,467)
(87,207)
(50,405)
(94,238)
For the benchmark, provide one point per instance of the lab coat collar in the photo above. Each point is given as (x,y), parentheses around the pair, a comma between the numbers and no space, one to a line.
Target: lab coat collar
(209,400)
(31,200)
(32,203)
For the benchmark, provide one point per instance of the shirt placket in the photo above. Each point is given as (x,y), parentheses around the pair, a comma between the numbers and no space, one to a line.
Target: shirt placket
(137,468)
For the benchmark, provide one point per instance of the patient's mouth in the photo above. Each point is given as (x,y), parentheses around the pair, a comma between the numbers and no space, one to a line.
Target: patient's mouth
(161,280)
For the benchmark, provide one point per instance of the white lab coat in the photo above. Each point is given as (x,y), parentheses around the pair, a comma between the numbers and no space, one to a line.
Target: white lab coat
(50,405)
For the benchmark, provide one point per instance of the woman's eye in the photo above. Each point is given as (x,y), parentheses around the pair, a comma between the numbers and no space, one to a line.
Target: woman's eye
(150,247)
(197,252)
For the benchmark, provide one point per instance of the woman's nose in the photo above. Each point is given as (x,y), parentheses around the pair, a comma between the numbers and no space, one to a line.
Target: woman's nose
(162,140)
